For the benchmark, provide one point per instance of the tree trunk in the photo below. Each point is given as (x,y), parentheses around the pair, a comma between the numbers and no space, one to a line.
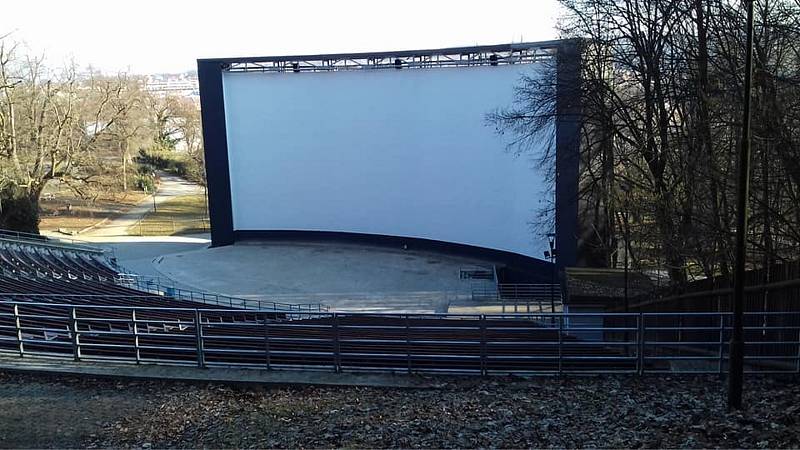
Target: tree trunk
(125,167)
(19,210)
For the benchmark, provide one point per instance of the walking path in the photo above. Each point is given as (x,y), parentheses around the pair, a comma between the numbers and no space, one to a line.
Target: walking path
(137,253)
(170,187)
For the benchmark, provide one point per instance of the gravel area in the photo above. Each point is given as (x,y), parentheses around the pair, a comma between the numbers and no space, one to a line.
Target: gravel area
(606,411)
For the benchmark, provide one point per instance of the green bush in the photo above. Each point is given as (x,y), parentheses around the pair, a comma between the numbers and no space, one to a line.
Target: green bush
(145,182)
(171,162)
(145,169)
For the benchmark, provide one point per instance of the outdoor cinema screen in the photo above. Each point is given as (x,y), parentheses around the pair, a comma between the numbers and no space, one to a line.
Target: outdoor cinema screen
(404,153)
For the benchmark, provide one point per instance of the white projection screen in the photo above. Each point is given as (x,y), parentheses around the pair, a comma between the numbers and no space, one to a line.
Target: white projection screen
(405,153)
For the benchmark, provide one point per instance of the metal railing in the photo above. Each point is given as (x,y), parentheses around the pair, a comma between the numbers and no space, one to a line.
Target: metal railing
(633,343)
(167,287)
(522,298)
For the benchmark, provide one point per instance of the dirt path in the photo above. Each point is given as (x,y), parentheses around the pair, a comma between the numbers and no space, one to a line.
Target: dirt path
(170,187)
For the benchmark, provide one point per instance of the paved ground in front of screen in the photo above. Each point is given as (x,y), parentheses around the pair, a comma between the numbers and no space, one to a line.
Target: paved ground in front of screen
(347,277)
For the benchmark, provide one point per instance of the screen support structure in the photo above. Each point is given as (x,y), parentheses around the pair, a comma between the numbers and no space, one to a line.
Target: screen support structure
(568,124)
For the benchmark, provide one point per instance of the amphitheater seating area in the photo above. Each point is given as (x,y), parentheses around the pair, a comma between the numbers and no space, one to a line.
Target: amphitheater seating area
(42,271)
(68,300)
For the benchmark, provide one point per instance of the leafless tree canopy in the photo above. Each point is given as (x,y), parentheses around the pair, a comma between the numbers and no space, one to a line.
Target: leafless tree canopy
(76,127)
(662,95)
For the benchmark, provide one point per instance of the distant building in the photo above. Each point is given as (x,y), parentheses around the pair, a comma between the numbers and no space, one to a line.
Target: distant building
(183,84)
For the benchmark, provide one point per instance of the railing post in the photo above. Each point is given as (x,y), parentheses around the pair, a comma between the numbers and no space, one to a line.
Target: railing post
(266,342)
(640,343)
(198,332)
(408,345)
(721,342)
(137,354)
(484,369)
(18,328)
(560,344)
(337,362)
(798,351)
(76,344)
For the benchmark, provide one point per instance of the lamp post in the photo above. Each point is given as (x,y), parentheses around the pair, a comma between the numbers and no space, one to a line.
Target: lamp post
(551,255)
(154,193)
(626,229)
(736,368)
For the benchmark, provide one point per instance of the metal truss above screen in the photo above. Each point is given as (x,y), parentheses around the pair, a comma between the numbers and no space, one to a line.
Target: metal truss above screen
(490,55)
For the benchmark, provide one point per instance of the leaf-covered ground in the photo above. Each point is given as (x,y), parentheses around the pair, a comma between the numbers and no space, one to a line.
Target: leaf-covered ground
(497,412)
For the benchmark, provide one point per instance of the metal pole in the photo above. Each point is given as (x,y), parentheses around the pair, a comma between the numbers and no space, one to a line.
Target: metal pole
(136,337)
(721,341)
(560,344)
(19,331)
(626,188)
(627,240)
(552,243)
(484,369)
(736,375)
(553,285)
(336,350)
(198,331)
(266,342)
(76,345)
(640,343)
(408,345)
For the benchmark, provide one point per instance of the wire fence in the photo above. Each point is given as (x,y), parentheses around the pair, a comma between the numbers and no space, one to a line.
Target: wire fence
(523,344)
(148,226)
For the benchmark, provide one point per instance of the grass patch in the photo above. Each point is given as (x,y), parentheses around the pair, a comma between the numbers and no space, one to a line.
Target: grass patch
(180,215)
(62,210)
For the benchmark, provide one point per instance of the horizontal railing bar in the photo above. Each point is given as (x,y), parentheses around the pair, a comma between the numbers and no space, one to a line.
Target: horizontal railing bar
(223,351)
(171,348)
(25,328)
(598,358)
(39,341)
(84,332)
(682,358)
(101,345)
(104,319)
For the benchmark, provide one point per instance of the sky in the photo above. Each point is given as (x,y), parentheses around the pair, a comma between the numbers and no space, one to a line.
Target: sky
(167,36)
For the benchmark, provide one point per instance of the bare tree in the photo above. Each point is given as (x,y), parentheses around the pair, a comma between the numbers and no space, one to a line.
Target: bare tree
(51,124)
(661,95)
